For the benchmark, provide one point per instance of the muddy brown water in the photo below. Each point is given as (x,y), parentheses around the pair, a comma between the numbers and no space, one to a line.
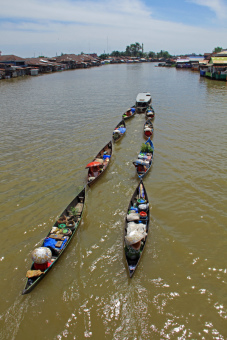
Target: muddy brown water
(51,127)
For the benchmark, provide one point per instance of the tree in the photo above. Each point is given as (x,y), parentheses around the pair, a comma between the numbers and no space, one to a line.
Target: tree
(104,56)
(217,49)
(134,50)
(116,54)
(152,55)
(128,51)
(163,54)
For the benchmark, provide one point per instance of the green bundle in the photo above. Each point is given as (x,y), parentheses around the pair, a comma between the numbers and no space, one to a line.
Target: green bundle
(146,148)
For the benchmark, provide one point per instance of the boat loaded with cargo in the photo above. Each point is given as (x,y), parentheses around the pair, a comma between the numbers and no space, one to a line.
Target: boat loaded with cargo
(99,163)
(45,257)
(136,228)
(129,113)
(144,158)
(119,131)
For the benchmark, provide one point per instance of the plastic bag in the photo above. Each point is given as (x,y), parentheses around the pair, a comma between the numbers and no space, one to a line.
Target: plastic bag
(133,217)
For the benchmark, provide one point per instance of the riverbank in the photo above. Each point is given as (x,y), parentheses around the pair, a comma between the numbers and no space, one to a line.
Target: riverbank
(12,66)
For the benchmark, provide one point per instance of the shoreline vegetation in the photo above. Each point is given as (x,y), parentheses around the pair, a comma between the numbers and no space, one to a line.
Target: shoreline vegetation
(211,65)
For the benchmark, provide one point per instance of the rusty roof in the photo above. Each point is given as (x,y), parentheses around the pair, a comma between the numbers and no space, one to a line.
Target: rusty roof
(10,57)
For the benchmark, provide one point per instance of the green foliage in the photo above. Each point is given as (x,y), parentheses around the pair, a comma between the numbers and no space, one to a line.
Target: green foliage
(217,49)
(116,54)
(146,148)
(152,54)
(134,50)
(163,54)
(74,211)
(104,56)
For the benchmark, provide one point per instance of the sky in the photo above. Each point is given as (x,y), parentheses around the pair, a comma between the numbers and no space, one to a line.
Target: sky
(29,28)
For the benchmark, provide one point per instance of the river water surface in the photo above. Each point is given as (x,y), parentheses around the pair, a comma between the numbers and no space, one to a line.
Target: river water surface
(51,127)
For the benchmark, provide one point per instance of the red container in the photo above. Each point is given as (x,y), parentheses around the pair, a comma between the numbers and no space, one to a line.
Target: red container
(148,133)
(143,214)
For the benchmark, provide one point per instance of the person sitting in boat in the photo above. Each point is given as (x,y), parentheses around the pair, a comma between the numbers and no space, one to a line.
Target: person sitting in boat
(41,258)
(133,251)
(134,243)
(141,168)
(95,171)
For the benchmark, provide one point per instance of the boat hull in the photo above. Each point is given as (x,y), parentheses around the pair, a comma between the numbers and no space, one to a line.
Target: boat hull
(126,116)
(120,135)
(80,198)
(108,148)
(133,264)
(141,162)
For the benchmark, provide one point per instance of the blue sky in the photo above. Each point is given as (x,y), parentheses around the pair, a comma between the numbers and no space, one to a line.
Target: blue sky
(48,27)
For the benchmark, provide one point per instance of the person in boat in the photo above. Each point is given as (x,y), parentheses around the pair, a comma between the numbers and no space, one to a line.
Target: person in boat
(141,168)
(133,251)
(95,171)
(134,240)
(41,258)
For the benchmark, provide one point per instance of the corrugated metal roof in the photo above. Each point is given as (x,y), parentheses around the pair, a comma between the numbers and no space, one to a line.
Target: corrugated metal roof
(218,60)
(143,97)
(10,57)
(182,60)
(204,61)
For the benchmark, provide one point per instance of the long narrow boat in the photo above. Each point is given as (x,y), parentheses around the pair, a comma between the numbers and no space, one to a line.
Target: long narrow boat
(119,131)
(149,113)
(144,159)
(62,232)
(99,163)
(136,228)
(129,113)
(148,128)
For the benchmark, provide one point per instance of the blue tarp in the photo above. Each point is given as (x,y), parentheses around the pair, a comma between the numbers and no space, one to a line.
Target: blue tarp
(50,242)
(122,130)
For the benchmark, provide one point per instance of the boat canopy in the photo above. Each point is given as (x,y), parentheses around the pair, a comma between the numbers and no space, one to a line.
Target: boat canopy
(143,99)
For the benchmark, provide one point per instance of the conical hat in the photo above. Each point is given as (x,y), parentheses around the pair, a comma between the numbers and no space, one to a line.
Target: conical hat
(41,255)
(134,237)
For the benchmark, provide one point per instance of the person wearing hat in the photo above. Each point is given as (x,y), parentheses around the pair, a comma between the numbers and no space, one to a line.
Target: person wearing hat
(134,243)
(133,251)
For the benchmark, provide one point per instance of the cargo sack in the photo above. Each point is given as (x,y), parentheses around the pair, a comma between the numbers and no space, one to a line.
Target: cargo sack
(33,273)
(134,237)
(133,217)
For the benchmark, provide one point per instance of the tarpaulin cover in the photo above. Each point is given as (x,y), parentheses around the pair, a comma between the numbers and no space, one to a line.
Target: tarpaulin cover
(49,242)
(90,165)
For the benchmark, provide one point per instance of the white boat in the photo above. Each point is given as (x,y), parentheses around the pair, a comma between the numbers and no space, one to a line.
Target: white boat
(143,100)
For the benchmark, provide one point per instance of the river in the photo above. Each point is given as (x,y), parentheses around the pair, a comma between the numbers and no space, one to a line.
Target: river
(51,127)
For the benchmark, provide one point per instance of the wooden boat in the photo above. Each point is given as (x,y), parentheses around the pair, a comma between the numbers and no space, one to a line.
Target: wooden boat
(99,163)
(119,131)
(143,100)
(129,113)
(145,158)
(63,231)
(149,113)
(134,242)
(148,128)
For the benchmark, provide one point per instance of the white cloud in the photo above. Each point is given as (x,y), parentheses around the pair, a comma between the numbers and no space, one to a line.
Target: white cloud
(88,26)
(86,12)
(217,6)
